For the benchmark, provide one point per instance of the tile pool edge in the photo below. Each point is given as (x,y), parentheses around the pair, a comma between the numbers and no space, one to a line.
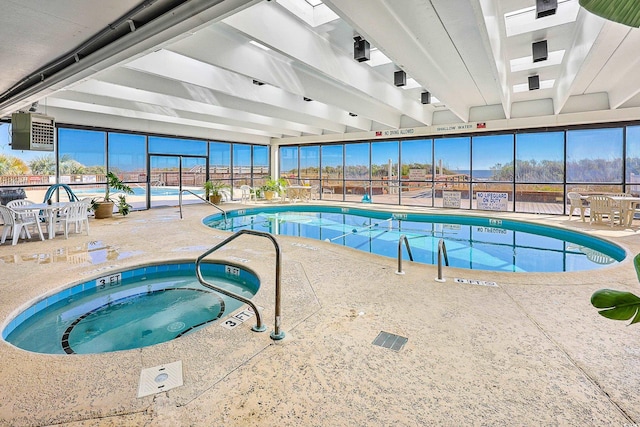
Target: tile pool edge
(30,308)
(607,247)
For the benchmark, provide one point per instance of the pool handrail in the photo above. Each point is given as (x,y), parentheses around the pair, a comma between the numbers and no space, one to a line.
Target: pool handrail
(442,253)
(406,242)
(277,334)
(224,213)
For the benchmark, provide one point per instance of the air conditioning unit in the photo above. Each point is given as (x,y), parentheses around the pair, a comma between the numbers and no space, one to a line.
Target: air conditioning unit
(31,131)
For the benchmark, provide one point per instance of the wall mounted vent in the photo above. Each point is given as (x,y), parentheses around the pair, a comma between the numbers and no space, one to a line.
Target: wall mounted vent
(32,131)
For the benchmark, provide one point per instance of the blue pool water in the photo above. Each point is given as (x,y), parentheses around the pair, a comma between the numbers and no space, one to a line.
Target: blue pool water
(471,242)
(130,309)
(141,191)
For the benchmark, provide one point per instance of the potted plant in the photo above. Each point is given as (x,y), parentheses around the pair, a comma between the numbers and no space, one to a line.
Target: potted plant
(213,191)
(273,186)
(103,206)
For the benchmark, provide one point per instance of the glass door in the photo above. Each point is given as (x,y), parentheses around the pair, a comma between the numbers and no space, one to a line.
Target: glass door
(170,174)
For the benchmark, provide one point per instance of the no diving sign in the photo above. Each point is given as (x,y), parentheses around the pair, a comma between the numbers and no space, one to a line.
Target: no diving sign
(475,282)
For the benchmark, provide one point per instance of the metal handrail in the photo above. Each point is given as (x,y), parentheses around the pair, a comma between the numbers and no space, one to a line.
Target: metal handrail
(406,242)
(224,213)
(277,334)
(442,252)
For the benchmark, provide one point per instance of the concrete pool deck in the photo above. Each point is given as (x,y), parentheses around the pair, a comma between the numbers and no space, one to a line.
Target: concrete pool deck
(531,351)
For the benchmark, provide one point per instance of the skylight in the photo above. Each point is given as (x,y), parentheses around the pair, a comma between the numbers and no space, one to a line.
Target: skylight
(524,20)
(260,45)
(313,12)
(544,84)
(526,62)
(376,57)
(411,84)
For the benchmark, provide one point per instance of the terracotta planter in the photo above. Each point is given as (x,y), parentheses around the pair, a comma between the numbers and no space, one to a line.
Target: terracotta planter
(104,210)
(215,198)
(268,195)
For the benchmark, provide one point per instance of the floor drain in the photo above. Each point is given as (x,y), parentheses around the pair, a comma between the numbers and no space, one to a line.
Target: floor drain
(392,341)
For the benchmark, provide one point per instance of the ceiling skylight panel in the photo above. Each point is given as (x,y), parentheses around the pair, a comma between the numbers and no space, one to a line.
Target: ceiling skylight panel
(313,12)
(524,20)
(526,62)
(376,57)
(544,84)
(260,45)
(410,84)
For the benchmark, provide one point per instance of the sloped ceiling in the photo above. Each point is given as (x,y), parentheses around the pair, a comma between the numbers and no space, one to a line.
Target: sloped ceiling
(192,71)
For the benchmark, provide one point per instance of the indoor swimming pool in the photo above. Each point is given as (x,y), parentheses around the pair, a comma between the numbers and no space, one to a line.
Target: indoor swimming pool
(472,242)
(129,309)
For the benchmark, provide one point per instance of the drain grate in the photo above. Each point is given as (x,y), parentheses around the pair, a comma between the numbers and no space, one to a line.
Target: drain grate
(391,341)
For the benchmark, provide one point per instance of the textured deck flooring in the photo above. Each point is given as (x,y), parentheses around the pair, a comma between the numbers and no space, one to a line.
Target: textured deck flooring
(531,351)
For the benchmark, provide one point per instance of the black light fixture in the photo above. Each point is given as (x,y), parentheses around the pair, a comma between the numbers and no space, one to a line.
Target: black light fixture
(257,82)
(546,8)
(360,49)
(307,99)
(399,78)
(353,114)
(425,97)
(534,82)
(539,51)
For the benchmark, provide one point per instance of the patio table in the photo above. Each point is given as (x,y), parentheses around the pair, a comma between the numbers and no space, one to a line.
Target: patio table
(49,210)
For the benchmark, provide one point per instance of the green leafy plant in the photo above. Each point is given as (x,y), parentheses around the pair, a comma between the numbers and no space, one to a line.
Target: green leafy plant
(208,188)
(213,190)
(276,185)
(619,305)
(114,184)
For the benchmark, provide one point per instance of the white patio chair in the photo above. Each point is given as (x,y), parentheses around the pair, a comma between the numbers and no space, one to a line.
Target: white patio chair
(76,214)
(22,202)
(247,194)
(328,191)
(315,192)
(602,207)
(15,224)
(575,199)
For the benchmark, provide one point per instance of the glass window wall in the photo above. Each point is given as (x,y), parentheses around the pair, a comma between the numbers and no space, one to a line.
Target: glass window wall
(356,171)
(594,156)
(417,187)
(632,160)
(539,172)
(385,160)
(452,162)
(331,174)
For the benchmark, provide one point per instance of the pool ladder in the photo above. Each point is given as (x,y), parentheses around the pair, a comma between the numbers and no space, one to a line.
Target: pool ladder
(404,239)
(224,213)
(442,254)
(276,334)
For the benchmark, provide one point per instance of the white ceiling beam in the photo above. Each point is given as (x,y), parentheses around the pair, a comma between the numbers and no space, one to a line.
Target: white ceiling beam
(618,75)
(297,120)
(233,52)
(494,35)
(277,29)
(171,65)
(130,124)
(145,96)
(421,46)
(154,113)
(111,96)
(588,28)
